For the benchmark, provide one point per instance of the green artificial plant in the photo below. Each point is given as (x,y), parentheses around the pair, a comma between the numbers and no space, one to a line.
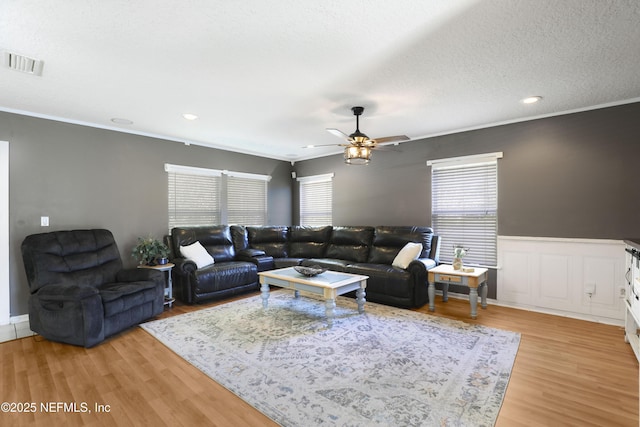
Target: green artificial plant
(148,250)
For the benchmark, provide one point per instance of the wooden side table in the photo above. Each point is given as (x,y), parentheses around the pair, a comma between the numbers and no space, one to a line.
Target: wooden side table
(168,291)
(446,275)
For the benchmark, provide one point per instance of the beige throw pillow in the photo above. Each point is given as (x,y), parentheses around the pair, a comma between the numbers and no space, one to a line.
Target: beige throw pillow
(197,253)
(407,254)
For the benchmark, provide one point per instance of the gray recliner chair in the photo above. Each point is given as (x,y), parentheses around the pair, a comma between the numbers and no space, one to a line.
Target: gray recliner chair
(80,293)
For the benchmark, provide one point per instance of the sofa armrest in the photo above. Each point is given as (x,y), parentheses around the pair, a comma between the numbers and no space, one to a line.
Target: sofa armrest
(63,292)
(250,253)
(418,268)
(257,256)
(184,266)
(422,264)
(434,254)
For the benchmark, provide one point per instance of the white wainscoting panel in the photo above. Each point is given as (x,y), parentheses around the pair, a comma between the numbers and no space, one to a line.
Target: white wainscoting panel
(555,275)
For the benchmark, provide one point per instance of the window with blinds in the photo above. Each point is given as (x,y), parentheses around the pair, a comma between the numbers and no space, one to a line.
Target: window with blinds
(200,196)
(194,198)
(316,199)
(246,200)
(464,207)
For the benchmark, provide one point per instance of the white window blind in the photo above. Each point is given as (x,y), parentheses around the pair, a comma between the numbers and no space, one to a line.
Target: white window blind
(199,196)
(194,197)
(465,207)
(316,199)
(246,199)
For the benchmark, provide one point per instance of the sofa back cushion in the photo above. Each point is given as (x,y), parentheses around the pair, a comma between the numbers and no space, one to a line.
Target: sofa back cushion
(271,239)
(350,243)
(216,239)
(308,242)
(389,240)
(82,257)
(239,237)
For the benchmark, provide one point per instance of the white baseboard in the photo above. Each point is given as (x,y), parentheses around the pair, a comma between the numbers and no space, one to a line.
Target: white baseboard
(18,327)
(19,319)
(543,310)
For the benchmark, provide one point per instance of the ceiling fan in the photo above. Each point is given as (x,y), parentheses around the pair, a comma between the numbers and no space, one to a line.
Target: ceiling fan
(359,146)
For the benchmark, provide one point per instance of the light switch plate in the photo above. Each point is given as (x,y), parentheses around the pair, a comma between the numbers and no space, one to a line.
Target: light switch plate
(44,221)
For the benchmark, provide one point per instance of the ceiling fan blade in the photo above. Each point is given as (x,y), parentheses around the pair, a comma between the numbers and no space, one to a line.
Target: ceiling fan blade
(388,139)
(339,133)
(386,148)
(327,145)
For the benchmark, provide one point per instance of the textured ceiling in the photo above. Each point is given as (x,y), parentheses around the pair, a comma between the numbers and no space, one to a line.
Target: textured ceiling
(267,77)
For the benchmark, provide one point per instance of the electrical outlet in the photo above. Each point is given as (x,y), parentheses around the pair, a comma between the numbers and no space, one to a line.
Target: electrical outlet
(590,288)
(44,221)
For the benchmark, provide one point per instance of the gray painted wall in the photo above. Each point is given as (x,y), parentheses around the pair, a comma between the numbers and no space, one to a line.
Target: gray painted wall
(83,177)
(566,176)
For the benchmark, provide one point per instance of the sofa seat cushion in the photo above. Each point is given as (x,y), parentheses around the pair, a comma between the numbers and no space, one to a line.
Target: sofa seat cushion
(384,279)
(64,293)
(225,275)
(120,297)
(328,263)
(287,262)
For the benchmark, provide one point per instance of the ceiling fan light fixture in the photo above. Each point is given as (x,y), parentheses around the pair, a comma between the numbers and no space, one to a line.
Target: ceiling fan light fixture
(359,147)
(359,137)
(357,155)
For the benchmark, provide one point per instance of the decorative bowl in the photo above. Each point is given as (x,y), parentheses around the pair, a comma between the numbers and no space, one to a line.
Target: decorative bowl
(309,271)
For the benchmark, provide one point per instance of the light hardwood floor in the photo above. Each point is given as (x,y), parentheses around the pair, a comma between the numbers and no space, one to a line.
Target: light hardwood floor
(567,373)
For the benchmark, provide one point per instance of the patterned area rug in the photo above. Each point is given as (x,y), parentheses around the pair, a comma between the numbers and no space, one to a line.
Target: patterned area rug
(386,367)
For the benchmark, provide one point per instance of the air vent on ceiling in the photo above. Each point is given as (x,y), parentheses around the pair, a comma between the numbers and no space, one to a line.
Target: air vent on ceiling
(23,63)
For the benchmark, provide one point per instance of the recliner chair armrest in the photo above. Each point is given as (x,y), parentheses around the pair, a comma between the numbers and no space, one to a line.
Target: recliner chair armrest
(139,275)
(65,292)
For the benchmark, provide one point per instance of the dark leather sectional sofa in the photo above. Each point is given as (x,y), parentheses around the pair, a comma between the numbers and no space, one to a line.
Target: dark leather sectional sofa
(241,252)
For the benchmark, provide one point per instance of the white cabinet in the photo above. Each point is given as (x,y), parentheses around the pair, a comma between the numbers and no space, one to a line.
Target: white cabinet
(632,296)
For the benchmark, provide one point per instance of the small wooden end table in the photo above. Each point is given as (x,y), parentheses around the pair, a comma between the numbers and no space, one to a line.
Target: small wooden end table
(168,291)
(446,275)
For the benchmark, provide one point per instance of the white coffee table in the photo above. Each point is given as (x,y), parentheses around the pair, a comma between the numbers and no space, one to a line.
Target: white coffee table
(328,285)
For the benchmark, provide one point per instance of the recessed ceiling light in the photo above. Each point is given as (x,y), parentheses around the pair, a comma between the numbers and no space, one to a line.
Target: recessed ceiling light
(119,121)
(190,116)
(531,99)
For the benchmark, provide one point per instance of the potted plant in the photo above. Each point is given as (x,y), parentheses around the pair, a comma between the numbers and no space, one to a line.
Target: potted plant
(459,252)
(150,251)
